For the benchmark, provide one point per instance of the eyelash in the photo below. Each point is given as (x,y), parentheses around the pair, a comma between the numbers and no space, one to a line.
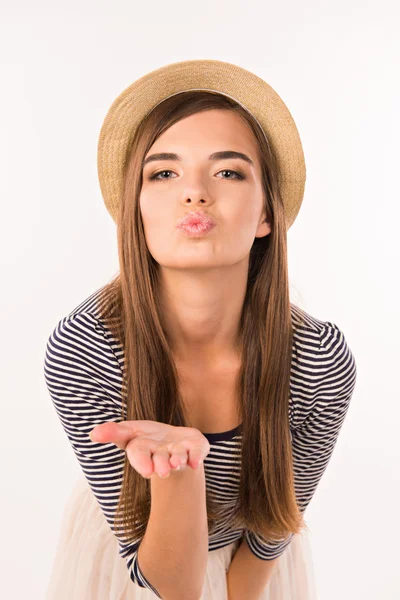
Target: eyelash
(153,177)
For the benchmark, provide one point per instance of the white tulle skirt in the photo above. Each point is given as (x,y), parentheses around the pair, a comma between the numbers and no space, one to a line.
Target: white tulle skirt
(87,565)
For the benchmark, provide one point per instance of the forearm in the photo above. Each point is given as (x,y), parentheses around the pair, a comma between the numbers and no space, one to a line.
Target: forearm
(248,575)
(174,550)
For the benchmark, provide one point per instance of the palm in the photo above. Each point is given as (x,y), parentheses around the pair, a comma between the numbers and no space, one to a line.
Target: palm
(154,447)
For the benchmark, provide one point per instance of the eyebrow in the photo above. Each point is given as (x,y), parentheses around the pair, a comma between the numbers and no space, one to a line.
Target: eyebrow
(215,156)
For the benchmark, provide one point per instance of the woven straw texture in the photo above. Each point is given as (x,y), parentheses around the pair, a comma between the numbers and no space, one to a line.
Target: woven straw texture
(252,92)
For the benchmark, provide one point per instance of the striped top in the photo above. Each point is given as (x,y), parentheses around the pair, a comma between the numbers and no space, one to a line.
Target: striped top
(83,369)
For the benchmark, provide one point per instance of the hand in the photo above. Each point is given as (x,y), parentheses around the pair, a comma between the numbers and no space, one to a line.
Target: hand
(153,447)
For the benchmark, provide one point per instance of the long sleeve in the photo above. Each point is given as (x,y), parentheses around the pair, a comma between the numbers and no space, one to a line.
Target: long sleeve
(84,379)
(324,384)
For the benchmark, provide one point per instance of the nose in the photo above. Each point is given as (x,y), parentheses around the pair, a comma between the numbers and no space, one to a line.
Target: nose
(194,197)
(194,201)
(195,191)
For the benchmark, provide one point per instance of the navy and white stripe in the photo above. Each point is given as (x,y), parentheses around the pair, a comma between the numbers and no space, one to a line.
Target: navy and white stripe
(83,371)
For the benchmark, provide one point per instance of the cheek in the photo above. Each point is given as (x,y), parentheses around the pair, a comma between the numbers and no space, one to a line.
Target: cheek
(157,222)
(243,221)
(154,210)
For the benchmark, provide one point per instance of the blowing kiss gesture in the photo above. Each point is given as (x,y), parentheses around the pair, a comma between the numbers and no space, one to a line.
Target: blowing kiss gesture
(153,447)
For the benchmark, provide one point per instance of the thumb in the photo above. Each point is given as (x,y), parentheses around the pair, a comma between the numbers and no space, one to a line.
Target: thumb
(111,432)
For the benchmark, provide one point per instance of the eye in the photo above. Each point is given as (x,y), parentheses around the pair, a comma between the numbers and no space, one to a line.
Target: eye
(155,177)
(238,175)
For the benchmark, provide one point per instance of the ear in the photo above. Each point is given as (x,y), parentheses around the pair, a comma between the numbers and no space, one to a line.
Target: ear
(264,227)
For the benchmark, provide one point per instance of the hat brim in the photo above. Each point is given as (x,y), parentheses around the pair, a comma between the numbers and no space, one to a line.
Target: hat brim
(246,88)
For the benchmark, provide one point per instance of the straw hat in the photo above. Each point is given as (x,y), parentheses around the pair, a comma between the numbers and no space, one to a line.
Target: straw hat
(246,88)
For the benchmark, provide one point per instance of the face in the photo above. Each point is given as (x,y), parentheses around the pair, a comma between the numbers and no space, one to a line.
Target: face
(228,189)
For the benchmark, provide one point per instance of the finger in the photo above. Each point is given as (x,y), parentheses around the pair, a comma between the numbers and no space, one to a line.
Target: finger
(117,433)
(178,459)
(161,463)
(196,452)
(195,457)
(139,456)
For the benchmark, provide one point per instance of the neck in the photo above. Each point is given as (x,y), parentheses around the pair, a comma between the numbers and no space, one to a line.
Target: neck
(202,310)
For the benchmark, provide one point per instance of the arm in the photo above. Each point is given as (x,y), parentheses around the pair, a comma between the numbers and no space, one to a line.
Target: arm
(248,575)
(84,379)
(174,550)
(319,414)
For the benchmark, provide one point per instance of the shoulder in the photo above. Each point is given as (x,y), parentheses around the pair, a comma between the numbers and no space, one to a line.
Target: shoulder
(318,346)
(323,365)
(84,333)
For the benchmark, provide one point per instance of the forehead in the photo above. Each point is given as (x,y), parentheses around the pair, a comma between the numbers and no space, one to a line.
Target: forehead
(207,131)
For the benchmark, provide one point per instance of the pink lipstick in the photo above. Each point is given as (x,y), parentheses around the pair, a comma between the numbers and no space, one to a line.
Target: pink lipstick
(196,224)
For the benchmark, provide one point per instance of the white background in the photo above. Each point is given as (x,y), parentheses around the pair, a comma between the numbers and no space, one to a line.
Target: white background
(336,66)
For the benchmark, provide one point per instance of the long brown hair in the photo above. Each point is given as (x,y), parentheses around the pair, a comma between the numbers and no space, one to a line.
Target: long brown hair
(130,306)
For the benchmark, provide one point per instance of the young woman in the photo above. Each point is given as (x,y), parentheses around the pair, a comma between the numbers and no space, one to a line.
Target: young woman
(202,405)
